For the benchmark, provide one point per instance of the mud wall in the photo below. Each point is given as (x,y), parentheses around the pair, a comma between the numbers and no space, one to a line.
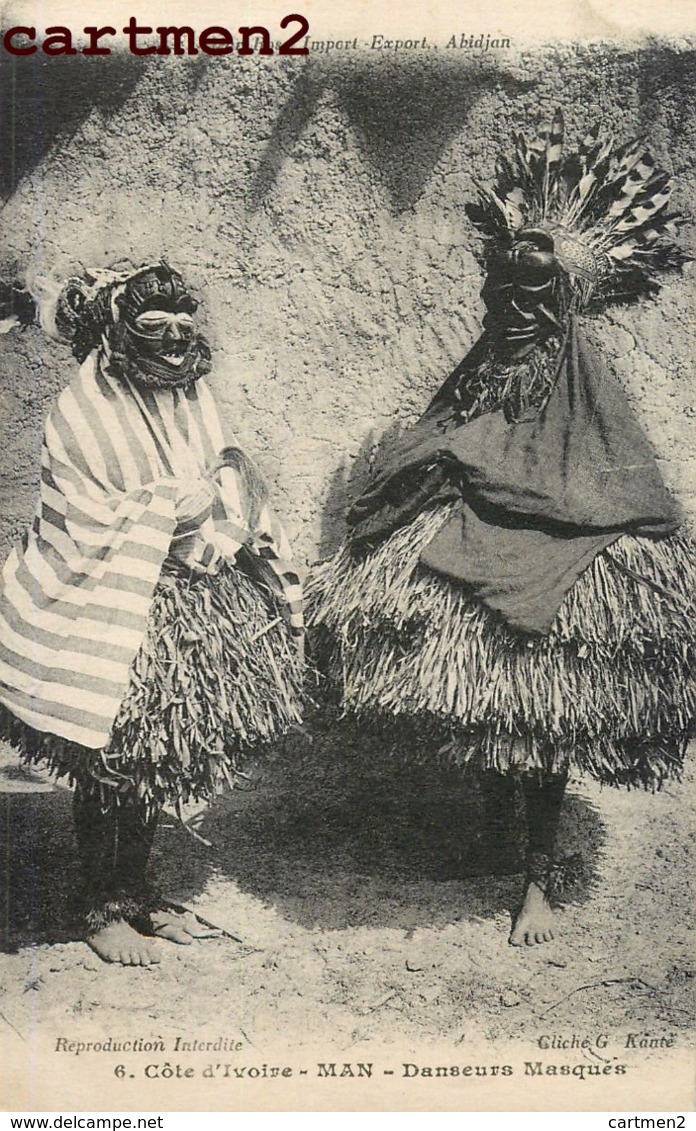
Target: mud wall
(316,206)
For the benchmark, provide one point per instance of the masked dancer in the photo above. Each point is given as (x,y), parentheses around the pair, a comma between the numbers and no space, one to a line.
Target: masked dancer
(517,575)
(150,620)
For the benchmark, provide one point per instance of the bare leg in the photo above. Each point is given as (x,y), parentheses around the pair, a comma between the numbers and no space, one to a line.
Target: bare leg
(543,802)
(114,843)
(157,917)
(498,854)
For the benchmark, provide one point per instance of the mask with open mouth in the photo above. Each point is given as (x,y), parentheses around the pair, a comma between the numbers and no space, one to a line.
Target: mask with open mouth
(154,341)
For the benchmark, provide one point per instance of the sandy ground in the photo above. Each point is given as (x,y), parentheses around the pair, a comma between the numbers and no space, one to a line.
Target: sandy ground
(353,879)
(369,920)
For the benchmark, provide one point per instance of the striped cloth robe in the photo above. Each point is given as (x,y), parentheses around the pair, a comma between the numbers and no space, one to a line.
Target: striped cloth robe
(127,479)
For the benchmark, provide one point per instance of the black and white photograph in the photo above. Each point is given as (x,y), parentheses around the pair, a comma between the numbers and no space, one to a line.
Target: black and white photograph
(347,560)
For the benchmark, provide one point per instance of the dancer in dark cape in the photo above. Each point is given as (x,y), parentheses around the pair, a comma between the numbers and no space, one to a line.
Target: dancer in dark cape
(150,619)
(517,574)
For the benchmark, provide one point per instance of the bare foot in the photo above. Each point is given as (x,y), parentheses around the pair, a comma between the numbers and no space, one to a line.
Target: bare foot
(535,921)
(119,942)
(180,927)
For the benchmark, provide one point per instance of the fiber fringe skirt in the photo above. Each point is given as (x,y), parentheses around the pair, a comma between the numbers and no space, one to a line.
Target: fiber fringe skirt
(610,691)
(217,674)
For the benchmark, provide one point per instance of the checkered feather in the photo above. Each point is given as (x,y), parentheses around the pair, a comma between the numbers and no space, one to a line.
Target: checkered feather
(605,207)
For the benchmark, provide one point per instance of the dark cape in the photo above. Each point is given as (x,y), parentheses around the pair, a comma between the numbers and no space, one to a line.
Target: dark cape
(537,500)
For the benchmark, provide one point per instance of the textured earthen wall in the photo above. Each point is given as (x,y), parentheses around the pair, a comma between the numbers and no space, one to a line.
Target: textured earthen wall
(317,209)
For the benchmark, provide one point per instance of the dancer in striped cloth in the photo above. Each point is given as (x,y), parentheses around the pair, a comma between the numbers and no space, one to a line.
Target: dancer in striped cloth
(151,619)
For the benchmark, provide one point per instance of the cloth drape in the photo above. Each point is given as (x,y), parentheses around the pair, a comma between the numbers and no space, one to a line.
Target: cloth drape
(120,468)
(537,499)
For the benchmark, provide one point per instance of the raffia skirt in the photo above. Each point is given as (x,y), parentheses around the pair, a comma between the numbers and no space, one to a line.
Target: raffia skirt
(217,675)
(610,691)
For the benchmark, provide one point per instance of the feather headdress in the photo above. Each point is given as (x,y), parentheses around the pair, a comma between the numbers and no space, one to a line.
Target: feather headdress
(603,209)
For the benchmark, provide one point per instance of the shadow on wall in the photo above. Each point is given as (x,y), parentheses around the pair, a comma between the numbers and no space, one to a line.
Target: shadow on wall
(662,72)
(348,482)
(343,828)
(404,114)
(43,100)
